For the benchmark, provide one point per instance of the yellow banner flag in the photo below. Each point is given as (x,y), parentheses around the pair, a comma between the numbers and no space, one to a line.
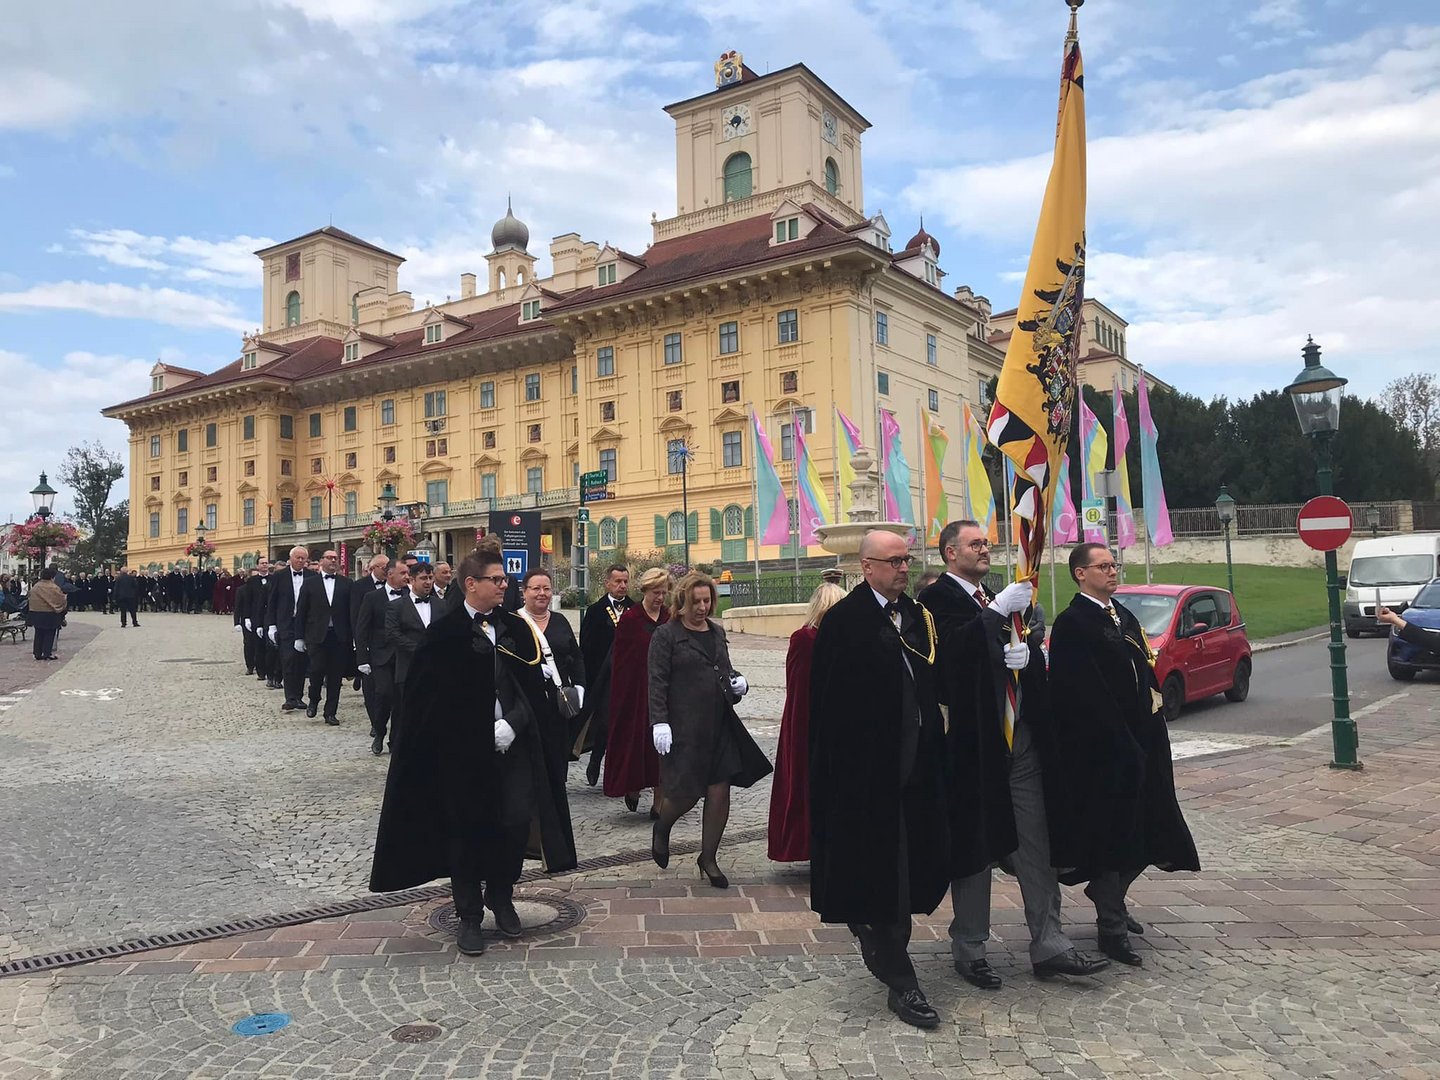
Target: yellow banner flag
(979,495)
(1034,400)
(936,502)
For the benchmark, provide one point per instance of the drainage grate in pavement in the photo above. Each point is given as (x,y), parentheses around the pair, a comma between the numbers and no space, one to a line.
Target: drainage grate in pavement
(415,1033)
(261,1024)
(29,965)
(540,913)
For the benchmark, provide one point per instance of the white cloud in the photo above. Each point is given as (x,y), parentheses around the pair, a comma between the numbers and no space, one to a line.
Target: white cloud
(170,307)
(229,263)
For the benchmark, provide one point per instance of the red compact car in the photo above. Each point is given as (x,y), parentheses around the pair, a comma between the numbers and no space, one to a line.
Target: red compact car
(1199,641)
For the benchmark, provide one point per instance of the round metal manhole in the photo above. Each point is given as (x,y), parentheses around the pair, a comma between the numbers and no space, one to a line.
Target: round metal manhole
(261,1024)
(540,913)
(415,1033)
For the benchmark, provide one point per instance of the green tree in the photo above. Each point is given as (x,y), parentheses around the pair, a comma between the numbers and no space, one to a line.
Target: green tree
(91,472)
(1414,402)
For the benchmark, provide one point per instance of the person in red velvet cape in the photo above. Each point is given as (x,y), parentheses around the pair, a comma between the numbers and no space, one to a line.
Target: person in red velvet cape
(631,763)
(790,792)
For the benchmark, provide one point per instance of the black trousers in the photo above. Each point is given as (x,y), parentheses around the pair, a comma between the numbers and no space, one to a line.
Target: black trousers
(505,855)
(292,668)
(1107,892)
(128,607)
(885,947)
(252,649)
(328,663)
(45,641)
(382,700)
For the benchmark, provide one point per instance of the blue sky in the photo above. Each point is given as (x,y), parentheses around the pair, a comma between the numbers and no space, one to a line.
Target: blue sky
(1259,169)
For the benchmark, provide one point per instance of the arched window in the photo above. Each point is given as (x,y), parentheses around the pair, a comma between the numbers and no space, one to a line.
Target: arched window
(607,533)
(734,521)
(738,182)
(675,526)
(355,310)
(832,176)
(292,309)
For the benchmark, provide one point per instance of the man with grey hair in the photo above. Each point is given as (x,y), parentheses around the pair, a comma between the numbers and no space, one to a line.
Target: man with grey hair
(442,590)
(282,627)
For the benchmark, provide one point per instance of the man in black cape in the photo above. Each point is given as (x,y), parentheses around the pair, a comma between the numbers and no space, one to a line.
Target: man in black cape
(476,763)
(1004,805)
(1111,734)
(597,639)
(879,848)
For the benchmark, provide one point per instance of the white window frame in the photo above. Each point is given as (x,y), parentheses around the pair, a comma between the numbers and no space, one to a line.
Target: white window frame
(787,229)
(433,333)
(605,274)
(352,351)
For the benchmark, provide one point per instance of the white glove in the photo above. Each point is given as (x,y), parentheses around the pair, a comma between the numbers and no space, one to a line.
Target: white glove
(248,626)
(1013,599)
(272,635)
(738,686)
(364,669)
(504,736)
(238,628)
(1017,656)
(579,695)
(299,645)
(663,740)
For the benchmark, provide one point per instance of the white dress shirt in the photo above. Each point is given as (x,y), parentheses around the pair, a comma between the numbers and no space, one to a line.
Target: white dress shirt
(423,610)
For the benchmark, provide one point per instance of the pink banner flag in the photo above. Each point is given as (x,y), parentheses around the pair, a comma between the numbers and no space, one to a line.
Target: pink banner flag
(1152,487)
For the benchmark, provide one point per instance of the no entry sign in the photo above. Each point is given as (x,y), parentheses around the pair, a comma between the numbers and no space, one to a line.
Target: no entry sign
(1324,523)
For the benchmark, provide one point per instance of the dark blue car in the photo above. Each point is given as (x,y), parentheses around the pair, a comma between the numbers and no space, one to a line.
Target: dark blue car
(1405,659)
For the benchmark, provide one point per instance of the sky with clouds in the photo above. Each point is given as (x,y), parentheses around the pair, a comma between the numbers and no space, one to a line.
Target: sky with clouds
(1258,170)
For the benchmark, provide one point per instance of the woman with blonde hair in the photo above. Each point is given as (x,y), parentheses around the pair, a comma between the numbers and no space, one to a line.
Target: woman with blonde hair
(631,763)
(703,746)
(789,839)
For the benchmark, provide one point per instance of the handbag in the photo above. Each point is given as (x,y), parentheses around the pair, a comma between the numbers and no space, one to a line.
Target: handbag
(567,698)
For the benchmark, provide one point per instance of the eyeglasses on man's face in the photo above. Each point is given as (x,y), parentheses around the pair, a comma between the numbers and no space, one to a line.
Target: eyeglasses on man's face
(498,580)
(1103,567)
(897,562)
(976,546)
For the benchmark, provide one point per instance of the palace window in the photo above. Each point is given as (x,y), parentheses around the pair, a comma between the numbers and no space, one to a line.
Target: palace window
(730,391)
(249,360)
(672,349)
(212,433)
(487,395)
(157,383)
(729,338)
(739,182)
(287,509)
(535,479)
(247,512)
(317,466)
(434,404)
(529,310)
(154,483)
(487,485)
(882,328)
(286,468)
(182,441)
(292,309)
(437,447)
(675,527)
(787,323)
(832,176)
(247,427)
(287,426)
(734,522)
(787,229)
(604,361)
(211,474)
(317,508)
(789,382)
(608,463)
(607,533)
(351,504)
(934,400)
(154,445)
(605,275)
(352,351)
(532,387)
(249,466)
(389,455)
(432,333)
(437,492)
(154,524)
(732,456)
(387,412)
(315,425)
(350,418)
(184,480)
(676,453)
(882,382)
(932,350)
(182,519)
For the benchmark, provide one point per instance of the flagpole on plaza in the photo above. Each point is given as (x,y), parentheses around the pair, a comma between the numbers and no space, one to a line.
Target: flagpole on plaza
(1143,493)
(924,511)
(754,494)
(880,443)
(795,492)
(835,455)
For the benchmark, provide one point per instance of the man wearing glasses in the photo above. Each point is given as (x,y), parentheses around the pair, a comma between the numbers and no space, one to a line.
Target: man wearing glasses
(469,775)
(879,836)
(1111,734)
(1001,766)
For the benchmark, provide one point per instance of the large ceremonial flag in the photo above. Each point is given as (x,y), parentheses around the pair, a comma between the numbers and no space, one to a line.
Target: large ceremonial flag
(1157,511)
(979,495)
(772,516)
(899,505)
(937,505)
(1030,420)
(1062,525)
(848,445)
(1124,508)
(1094,446)
(812,503)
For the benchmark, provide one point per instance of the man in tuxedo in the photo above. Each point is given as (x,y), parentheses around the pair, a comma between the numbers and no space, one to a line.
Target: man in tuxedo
(997,790)
(879,848)
(597,638)
(283,629)
(406,622)
(444,590)
(323,612)
(374,652)
(463,793)
(249,599)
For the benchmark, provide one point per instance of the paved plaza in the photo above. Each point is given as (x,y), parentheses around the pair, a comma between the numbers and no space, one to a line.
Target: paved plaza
(148,788)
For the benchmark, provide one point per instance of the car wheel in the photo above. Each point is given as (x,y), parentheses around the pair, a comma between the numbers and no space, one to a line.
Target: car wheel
(1240,688)
(1403,674)
(1172,698)
(1352,632)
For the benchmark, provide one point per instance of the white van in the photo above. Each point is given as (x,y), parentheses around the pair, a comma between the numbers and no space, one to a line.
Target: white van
(1390,569)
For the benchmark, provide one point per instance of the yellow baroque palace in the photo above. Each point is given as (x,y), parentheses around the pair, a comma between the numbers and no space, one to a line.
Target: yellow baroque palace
(771,289)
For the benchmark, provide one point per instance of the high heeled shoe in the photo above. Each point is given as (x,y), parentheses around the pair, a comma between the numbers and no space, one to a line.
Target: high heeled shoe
(658,851)
(632,802)
(717,879)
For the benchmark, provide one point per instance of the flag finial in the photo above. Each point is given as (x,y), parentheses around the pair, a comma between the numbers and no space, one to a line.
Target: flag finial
(1074,32)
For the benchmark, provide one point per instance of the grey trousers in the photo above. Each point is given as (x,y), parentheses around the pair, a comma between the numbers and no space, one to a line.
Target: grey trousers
(1107,892)
(1030,863)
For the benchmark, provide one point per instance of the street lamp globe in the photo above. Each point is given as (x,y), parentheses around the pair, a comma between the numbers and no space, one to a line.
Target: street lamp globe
(44,496)
(1316,394)
(388,499)
(1372,518)
(1225,506)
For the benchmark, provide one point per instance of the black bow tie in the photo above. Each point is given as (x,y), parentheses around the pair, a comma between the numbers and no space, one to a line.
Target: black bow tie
(422,599)
(892,606)
(483,616)
(298,573)
(396,593)
(329,577)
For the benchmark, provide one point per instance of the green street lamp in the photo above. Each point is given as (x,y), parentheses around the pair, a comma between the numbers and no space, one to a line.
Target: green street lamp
(43,496)
(1316,394)
(200,532)
(1372,518)
(388,499)
(1225,507)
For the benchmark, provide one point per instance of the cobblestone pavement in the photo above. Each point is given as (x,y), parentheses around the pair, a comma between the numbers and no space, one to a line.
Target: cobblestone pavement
(1307,947)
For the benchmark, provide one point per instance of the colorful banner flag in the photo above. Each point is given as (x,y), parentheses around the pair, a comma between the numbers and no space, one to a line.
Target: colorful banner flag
(899,504)
(937,504)
(1034,400)
(772,514)
(1062,526)
(979,494)
(849,446)
(812,505)
(1124,508)
(1094,445)
(1157,511)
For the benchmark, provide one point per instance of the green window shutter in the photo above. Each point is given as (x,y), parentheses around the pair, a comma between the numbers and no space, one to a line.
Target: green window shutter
(622,532)
(661,539)
(692,527)
(717,524)
(749,522)
(593,536)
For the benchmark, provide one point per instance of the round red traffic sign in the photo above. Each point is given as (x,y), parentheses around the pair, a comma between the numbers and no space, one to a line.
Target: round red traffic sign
(1324,523)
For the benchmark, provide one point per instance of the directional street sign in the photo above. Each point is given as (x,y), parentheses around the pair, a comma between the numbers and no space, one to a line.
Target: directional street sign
(593,486)
(1324,523)
(582,515)
(594,479)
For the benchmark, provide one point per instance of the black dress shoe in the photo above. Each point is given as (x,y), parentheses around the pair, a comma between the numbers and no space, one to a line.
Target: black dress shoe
(333,721)
(1134,925)
(377,745)
(291,706)
(1071,962)
(507,919)
(311,710)
(471,938)
(1117,947)
(356,684)
(911,1006)
(979,973)
(632,803)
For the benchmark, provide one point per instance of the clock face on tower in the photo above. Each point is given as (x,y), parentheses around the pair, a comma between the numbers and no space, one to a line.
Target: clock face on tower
(829,129)
(736,121)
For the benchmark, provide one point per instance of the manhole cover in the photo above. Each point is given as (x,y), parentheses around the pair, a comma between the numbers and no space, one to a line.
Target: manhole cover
(261,1024)
(540,913)
(415,1033)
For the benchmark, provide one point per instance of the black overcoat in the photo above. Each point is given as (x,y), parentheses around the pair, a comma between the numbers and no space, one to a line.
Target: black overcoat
(1110,732)
(856,688)
(597,640)
(444,794)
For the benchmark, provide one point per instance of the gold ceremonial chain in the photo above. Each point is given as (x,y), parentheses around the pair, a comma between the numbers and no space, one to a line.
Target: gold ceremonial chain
(535,637)
(929,633)
(614,614)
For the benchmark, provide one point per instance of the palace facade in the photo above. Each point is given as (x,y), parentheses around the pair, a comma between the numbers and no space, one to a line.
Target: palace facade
(771,289)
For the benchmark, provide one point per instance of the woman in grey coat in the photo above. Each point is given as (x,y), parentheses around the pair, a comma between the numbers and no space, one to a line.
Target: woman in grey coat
(703,746)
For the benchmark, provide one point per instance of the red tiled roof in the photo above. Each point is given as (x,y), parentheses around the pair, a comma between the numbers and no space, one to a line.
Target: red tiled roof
(179,370)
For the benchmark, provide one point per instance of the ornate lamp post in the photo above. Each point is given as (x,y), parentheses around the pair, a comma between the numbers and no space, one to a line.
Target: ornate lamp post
(1372,518)
(1316,393)
(200,532)
(681,456)
(269,517)
(330,520)
(388,499)
(44,498)
(1225,507)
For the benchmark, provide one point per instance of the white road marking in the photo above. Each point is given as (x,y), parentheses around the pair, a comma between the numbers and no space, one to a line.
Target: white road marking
(1187,748)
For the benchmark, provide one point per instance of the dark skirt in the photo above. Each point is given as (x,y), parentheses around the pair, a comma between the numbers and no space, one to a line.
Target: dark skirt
(734,758)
